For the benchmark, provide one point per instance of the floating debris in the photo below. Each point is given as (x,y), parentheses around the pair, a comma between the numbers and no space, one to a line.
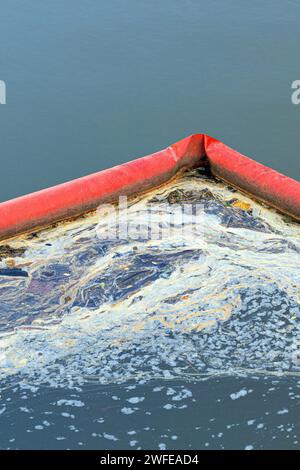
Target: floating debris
(6,251)
(14,272)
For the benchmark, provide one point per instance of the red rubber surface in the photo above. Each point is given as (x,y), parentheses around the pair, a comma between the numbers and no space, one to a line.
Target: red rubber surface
(261,182)
(67,200)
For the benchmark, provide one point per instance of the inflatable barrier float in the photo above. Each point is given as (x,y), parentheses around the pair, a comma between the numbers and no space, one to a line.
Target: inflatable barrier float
(67,200)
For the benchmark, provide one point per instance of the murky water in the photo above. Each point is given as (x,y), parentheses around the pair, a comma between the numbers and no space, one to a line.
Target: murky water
(190,340)
(91,84)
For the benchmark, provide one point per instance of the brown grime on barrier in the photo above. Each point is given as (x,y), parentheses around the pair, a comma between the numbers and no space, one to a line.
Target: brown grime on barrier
(33,232)
(252,195)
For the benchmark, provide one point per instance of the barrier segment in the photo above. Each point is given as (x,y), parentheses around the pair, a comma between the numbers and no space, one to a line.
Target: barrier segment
(257,180)
(78,196)
(64,201)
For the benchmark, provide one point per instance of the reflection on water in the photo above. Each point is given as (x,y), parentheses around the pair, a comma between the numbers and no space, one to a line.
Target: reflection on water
(183,341)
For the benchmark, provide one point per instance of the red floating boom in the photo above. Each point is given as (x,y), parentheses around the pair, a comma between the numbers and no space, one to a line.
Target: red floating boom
(70,199)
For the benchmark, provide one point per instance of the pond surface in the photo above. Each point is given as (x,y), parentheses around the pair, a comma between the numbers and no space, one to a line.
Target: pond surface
(92,83)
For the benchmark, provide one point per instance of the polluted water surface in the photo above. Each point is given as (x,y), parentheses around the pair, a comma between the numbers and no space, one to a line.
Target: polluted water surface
(182,336)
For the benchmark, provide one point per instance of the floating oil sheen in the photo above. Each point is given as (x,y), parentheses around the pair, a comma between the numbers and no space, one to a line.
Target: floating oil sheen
(81,312)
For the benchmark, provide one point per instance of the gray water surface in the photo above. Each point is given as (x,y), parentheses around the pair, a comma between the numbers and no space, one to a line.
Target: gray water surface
(92,84)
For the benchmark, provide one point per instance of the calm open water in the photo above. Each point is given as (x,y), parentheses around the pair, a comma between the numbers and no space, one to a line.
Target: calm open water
(92,84)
